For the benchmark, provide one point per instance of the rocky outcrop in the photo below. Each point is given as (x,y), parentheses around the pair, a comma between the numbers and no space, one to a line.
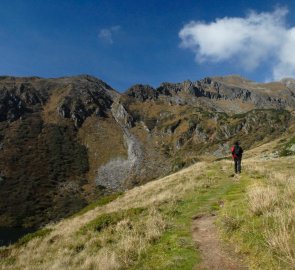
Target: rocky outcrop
(87,95)
(116,172)
(11,106)
(142,92)
(209,91)
(120,114)
(17,99)
(85,100)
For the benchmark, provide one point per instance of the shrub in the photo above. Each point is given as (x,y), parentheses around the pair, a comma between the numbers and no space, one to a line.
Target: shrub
(286,151)
(178,164)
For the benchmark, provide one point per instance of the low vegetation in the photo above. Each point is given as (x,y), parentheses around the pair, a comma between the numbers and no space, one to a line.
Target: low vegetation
(288,148)
(28,237)
(100,202)
(149,227)
(57,134)
(259,219)
(45,169)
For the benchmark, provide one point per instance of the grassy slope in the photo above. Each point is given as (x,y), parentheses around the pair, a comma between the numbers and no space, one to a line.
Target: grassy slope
(259,215)
(149,227)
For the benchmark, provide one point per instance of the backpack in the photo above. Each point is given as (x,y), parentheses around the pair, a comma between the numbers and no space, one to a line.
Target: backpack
(238,151)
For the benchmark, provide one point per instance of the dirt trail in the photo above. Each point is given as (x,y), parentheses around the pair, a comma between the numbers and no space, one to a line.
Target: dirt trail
(215,254)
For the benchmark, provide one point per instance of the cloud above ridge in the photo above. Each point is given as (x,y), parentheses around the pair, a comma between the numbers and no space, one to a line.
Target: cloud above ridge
(106,34)
(249,42)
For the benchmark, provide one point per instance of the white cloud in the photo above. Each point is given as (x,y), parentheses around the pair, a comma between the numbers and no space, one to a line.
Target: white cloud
(106,34)
(258,38)
(286,56)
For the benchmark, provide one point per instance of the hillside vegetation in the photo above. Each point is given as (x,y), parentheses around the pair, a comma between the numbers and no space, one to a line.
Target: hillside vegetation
(149,227)
(66,142)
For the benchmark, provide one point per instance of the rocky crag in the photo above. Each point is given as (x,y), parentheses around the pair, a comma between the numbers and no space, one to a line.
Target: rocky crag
(117,171)
(66,141)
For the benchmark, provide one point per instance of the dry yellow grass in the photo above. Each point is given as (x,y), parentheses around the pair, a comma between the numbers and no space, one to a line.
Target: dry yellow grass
(275,199)
(262,199)
(50,114)
(104,141)
(239,105)
(117,245)
(280,238)
(122,243)
(153,109)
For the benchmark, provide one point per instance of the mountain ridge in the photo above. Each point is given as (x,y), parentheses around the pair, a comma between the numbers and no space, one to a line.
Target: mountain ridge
(63,140)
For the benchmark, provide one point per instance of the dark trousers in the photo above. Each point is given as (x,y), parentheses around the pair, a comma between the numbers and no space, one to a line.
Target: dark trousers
(238,162)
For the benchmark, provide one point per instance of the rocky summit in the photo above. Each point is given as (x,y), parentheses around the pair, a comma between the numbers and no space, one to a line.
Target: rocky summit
(66,141)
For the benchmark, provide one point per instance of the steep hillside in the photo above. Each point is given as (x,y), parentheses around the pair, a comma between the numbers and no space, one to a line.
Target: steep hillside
(150,227)
(65,142)
(45,158)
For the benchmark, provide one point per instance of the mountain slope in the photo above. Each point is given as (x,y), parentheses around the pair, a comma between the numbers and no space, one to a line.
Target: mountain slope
(65,142)
(44,163)
(150,226)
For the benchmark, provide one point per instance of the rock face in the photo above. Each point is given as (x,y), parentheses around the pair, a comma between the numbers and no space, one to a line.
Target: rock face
(211,92)
(15,100)
(64,142)
(142,92)
(115,173)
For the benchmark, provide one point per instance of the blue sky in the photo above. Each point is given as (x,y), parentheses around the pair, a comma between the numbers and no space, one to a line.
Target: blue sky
(149,42)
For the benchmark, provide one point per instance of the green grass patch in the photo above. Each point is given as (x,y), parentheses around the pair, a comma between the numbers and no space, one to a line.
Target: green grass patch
(105,220)
(286,150)
(100,202)
(8,261)
(28,237)
(225,196)
(176,249)
(243,229)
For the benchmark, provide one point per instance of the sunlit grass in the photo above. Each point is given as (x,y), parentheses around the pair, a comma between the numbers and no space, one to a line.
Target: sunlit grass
(149,227)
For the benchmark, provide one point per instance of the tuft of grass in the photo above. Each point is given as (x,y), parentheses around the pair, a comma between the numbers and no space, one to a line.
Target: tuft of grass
(9,261)
(38,234)
(280,237)
(262,199)
(100,202)
(105,220)
(231,223)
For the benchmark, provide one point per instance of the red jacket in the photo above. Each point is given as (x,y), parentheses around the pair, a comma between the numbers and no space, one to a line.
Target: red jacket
(232,152)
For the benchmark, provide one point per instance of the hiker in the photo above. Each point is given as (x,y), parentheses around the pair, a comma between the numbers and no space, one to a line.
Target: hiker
(237,153)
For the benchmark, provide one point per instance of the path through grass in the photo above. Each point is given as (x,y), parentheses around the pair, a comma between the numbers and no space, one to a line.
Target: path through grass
(149,227)
(175,249)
